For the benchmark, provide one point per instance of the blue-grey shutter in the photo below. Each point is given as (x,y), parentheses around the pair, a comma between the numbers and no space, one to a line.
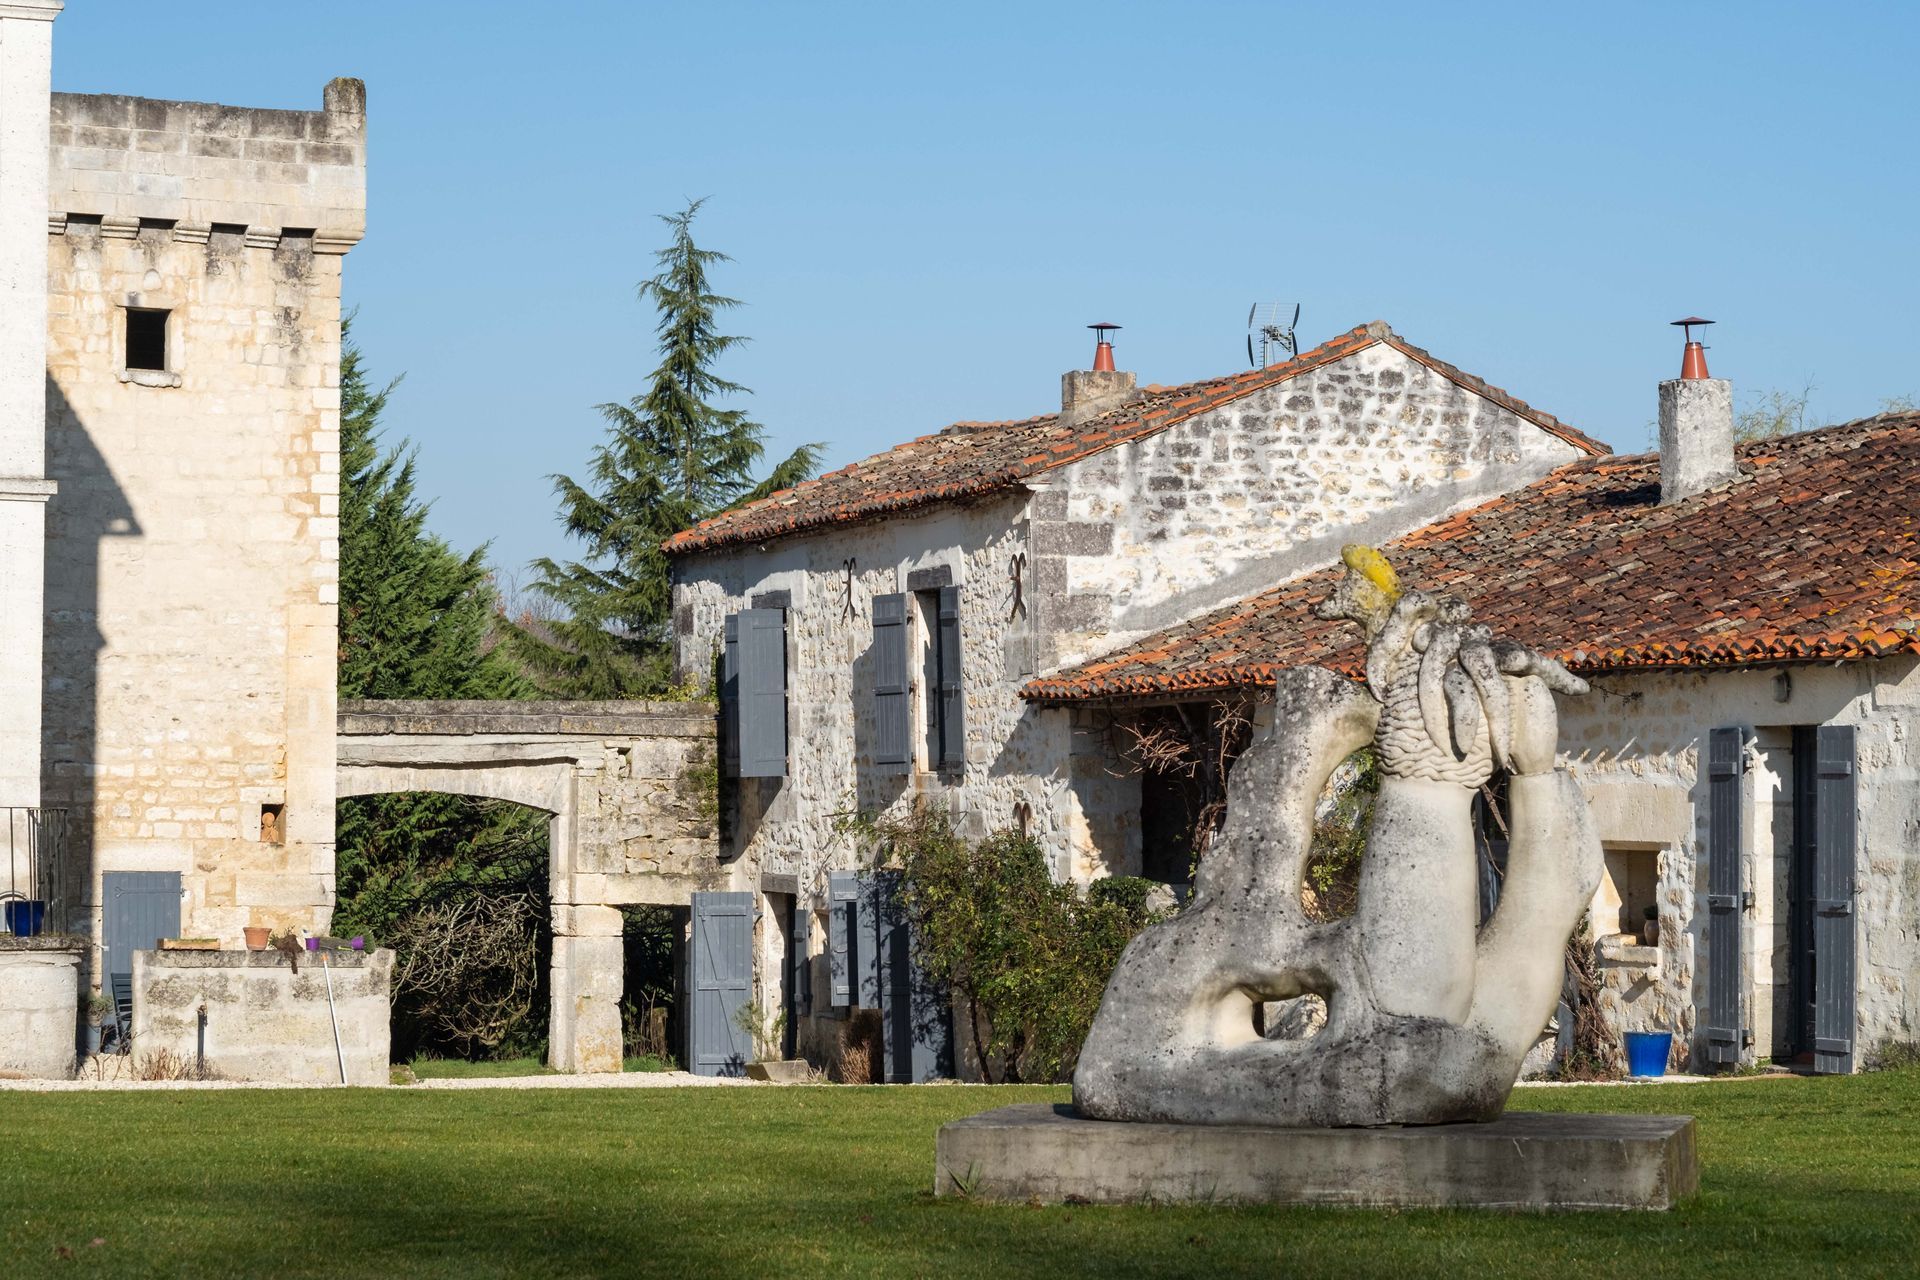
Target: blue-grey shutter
(799,935)
(1833,962)
(730,698)
(916,1026)
(720,983)
(1726,838)
(763,693)
(141,907)
(892,696)
(867,939)
(953,702)
(843,888)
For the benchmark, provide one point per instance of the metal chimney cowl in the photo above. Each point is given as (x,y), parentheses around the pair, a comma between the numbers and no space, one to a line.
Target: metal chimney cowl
(1088,393)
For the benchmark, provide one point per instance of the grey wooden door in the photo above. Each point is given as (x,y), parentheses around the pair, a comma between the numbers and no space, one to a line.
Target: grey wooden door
(916,1025)
(1833,855)
(720,984)
(1726,838)
(141,907)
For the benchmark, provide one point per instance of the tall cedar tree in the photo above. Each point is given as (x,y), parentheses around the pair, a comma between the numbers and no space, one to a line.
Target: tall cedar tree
(415,622)
(672,458)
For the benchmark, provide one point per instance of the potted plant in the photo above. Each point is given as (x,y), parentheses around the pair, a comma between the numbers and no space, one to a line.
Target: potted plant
(257,936)
(99,1014)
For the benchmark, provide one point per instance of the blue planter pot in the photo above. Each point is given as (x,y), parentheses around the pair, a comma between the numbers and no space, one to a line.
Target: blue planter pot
(25,917)
(1647,1052)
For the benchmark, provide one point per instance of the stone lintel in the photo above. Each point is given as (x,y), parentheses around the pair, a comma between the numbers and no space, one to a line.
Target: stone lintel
(1523,1160)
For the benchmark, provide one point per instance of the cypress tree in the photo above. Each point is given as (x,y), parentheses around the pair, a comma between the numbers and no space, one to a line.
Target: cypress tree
(672,458)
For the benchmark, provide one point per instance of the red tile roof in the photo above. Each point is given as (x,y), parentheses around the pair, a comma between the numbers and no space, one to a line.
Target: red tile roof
(1813,553)
(973,459)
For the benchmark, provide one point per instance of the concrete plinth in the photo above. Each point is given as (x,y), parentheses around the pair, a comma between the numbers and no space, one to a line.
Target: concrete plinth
(1523,1160)
(39,1005)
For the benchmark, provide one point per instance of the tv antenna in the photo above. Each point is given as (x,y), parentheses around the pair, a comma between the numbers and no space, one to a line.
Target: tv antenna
(1273,335)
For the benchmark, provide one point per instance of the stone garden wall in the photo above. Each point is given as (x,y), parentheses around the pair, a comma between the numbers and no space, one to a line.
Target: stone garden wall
(39,1006)
(265,1022)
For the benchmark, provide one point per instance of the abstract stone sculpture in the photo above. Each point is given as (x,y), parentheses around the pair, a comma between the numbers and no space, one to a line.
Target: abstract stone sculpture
(1428,1013)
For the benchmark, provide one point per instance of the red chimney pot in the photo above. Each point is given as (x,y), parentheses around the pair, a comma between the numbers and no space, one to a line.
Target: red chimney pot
(1693,362)
(1103,347)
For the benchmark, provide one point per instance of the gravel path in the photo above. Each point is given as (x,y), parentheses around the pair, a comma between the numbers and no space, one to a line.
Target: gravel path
(625,1080)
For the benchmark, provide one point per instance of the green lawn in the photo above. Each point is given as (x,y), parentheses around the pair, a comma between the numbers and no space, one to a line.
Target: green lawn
(1800,1177)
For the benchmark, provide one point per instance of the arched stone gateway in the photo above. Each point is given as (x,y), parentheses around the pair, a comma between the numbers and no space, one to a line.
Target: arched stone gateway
(627,785)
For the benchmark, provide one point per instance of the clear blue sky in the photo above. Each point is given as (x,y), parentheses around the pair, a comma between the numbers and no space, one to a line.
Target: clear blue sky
(927,203)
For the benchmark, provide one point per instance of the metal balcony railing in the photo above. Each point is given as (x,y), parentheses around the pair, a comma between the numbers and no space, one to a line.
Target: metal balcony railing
(33,881)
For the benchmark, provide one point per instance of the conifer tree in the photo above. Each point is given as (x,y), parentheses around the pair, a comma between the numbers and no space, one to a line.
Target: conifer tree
(416,621)
(672,458)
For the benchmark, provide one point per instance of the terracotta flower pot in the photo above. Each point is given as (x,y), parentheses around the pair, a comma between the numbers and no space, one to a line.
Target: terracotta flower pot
(257,936)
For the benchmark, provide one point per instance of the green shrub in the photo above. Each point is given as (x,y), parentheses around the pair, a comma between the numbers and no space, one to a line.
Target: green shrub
(1029,956)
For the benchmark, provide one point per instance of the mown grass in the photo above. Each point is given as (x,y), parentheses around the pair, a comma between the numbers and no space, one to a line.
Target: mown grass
(1799,1177)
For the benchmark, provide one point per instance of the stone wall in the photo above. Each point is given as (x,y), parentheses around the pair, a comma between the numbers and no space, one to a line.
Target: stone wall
(193,548)
(264,1021)
(1151,533)
(39,1006)
(1635,745)
(26,62)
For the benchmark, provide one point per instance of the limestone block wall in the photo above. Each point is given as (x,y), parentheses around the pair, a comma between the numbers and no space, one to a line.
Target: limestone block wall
(1145,535)
(26,61)
(1635,745)
(265,1022)
(39,1006)
(192,559)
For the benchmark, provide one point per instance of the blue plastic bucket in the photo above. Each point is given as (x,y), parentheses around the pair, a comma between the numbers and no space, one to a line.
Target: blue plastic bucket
(25,916)
(1647,1052)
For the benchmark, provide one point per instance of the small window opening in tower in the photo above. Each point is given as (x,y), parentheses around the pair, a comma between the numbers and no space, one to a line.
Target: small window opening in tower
(146,339)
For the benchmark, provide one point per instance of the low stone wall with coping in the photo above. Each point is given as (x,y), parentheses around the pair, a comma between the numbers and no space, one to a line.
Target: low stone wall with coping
(264,1021)
(39,1005)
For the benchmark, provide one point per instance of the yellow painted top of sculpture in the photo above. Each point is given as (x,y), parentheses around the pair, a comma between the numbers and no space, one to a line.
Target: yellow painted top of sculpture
(1372,566)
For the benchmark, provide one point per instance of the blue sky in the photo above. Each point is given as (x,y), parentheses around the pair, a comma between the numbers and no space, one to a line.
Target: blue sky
(928,203)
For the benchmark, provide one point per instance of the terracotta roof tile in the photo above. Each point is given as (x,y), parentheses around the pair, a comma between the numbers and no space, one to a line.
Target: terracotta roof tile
(1813,553)
(972,459)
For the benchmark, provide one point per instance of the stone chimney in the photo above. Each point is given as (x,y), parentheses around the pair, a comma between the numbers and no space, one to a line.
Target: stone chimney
(1696,426)
(1088,393)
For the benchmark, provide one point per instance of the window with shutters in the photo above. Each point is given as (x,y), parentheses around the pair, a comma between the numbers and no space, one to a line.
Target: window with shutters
(753,694)
(918,697)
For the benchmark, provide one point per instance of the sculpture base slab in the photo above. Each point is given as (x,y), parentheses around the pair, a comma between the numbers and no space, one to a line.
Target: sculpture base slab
(1523,1160)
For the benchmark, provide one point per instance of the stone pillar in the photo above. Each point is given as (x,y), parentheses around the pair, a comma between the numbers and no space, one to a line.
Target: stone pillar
(39,1004)
(588,973)
(26,68)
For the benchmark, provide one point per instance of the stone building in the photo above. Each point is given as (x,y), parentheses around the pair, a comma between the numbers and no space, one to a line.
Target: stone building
(169,492)
(1751,747)
(885,617)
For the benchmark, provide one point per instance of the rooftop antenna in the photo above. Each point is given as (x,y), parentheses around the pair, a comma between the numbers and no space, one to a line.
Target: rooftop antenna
(1274,336)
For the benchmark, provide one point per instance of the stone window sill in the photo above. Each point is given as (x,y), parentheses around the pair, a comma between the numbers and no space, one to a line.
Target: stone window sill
(1625,951)
(150,377)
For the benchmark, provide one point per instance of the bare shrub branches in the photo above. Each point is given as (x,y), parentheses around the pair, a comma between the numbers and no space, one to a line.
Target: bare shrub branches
(468,966)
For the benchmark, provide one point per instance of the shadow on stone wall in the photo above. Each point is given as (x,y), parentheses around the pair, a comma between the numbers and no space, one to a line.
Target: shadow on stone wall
(89,508)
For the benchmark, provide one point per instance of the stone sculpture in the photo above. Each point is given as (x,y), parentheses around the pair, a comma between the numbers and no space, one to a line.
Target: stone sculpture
(1429,1013)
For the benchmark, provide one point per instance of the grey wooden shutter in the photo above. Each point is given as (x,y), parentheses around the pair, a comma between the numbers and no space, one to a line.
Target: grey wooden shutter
(1835,787)
(843,888)
(1726,837)
(867,942)
(763,693)
(953,702)
(720,984)
(892,699)
(141,907)
(799,935)
(916,1026)
(730,698)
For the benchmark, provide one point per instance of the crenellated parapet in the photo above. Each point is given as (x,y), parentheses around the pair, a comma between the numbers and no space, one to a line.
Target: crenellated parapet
(191,170)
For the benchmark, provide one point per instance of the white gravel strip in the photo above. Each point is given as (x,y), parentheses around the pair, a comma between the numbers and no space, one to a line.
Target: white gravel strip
(624,1080)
